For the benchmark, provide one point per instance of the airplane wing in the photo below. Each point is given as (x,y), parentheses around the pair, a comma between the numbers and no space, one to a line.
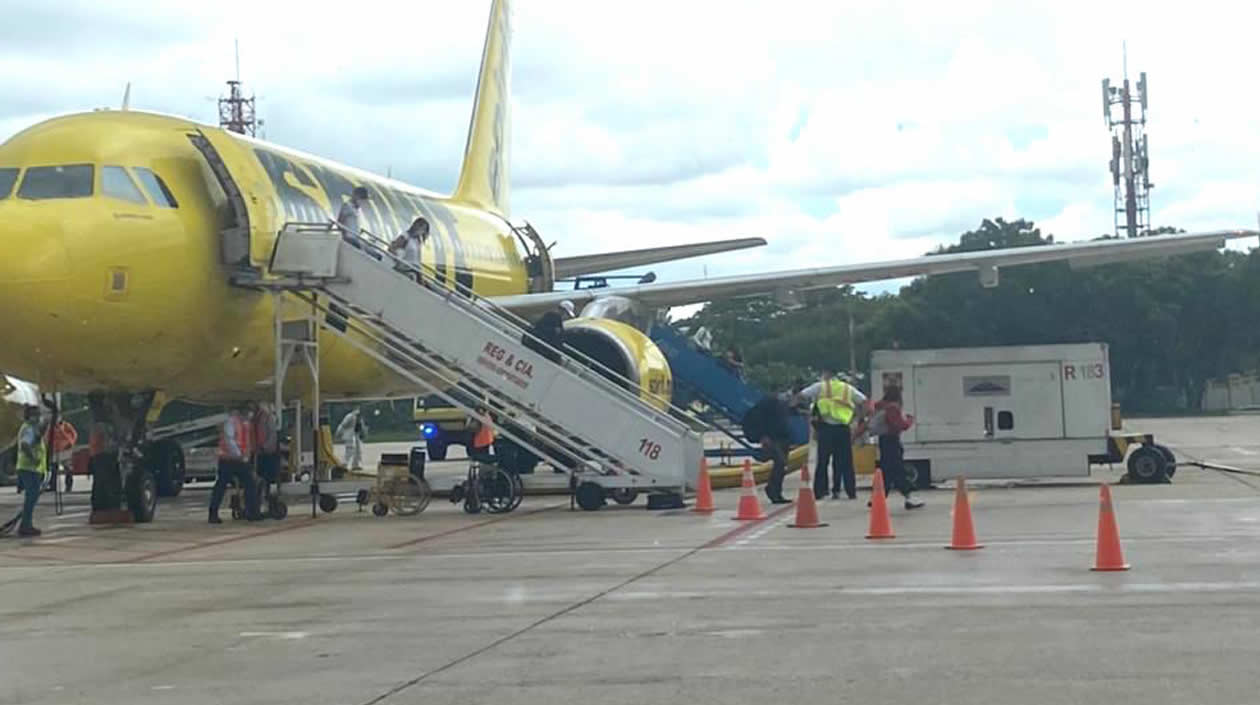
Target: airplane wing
(566,267)
(986,263)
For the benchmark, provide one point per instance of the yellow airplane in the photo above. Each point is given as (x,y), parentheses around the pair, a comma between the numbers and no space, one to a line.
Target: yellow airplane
(122,229)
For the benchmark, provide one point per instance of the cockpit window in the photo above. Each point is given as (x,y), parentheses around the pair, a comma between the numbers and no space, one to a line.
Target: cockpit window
(155,187)
(117,184)
(71,181)
(7,177)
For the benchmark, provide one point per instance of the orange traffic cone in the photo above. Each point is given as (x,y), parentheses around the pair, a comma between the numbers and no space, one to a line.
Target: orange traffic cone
(1109,555)
(749,506)
(964,532)
(704,492)
(806,505)
(881,523)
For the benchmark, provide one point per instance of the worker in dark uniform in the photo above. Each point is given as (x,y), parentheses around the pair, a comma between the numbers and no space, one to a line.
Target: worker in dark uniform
(767,422)
(547,334)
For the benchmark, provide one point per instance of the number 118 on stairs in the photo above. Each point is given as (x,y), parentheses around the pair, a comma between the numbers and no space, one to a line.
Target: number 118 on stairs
(650,449)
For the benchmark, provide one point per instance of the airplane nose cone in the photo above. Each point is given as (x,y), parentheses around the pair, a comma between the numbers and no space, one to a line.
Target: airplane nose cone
(32,244)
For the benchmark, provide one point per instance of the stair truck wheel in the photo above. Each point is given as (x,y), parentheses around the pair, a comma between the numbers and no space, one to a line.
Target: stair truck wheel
(590,496)
(624,495)
(379,509)
(277,508)
(1147,465)
(328,503)
(1170,460)
(141,492)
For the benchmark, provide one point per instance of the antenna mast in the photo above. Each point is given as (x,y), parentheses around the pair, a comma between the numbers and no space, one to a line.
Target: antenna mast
(236,112)
(1130,158)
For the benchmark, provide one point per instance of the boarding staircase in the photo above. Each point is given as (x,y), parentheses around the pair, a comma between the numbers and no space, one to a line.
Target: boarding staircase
(700,377)
(465,349)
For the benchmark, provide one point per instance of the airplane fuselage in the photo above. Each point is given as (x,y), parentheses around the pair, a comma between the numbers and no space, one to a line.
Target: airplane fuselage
(102,289)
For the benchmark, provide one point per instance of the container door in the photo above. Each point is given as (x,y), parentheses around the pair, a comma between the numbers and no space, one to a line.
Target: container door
(988,402)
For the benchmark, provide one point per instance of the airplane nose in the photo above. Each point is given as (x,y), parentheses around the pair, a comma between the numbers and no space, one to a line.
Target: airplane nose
(32,244)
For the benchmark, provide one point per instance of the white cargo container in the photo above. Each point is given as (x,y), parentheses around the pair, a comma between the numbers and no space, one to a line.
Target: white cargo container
(1004,412)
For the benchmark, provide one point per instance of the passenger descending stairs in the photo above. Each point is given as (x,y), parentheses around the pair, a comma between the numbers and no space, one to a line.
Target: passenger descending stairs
(469,352)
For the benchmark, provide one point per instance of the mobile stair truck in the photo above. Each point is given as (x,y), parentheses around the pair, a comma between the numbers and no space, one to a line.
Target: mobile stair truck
(1013,412)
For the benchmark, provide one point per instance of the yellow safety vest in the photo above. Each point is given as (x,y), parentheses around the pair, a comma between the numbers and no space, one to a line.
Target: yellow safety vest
(40,463)
(836,409)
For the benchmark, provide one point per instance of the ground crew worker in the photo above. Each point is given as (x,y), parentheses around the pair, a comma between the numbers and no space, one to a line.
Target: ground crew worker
(767,421)
(549,329)
(482,446)
(835,403)
(348,216)
(32,465)
(352,430)
(234,453)
(266,444)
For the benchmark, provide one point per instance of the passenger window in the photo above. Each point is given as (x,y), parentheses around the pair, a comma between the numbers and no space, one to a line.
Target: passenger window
(7,178)
(116,183)
(1006,421)
(42,182)
(155,187)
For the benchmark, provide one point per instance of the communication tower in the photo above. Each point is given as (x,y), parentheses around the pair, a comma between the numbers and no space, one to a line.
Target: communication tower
(236,112)
(1130,155)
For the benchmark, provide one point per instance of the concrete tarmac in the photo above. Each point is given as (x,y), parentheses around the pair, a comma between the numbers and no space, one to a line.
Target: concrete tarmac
(550,606)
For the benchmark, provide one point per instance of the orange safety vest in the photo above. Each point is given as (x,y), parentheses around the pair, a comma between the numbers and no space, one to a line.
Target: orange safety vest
(242,440)
(484,437)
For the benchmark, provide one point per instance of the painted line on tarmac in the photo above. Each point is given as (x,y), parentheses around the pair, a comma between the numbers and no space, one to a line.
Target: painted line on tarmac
(757,534)
(477,525)
(222,541)
(744,528)
(1243,451)
(890,590)
(1005,543)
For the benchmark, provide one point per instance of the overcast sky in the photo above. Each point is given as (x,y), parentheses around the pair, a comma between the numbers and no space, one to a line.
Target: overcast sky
(839,131)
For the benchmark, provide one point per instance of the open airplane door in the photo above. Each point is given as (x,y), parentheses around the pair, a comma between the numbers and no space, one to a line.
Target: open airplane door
(248,231)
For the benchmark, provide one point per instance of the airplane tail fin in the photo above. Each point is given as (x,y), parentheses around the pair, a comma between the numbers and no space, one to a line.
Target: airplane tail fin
(483,179)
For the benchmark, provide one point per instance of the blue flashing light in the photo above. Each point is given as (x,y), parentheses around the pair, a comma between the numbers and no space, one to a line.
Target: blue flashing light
(428,430)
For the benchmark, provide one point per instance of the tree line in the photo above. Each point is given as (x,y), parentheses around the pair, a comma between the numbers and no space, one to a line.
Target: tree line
(1172,324)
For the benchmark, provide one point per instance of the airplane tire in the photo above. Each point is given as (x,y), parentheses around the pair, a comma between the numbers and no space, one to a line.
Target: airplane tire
(142,495)
(166,461)
(8,465)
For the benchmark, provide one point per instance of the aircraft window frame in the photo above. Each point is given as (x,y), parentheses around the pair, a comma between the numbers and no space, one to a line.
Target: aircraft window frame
(161,196)
(39,172)
(6,189)
(136,195)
